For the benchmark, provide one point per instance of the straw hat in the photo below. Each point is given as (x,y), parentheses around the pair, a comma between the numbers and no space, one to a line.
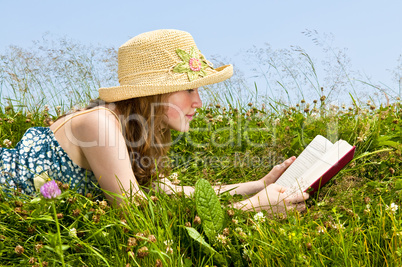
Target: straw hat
(161,61)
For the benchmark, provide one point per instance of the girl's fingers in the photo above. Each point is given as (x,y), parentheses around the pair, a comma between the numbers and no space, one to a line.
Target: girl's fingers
(278,188)
(279,169)
(297,197)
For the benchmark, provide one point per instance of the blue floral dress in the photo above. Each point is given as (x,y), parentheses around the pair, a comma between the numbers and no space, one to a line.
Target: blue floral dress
(37,152)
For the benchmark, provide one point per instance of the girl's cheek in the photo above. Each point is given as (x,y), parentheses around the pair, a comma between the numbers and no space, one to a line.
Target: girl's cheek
(172,113)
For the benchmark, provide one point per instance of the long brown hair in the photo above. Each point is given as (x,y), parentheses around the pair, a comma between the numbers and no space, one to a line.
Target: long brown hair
(147,140)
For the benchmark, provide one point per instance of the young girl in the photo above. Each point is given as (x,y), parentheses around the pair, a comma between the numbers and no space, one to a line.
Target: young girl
(117,142)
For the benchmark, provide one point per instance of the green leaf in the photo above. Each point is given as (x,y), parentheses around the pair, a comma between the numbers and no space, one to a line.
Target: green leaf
(194,234)
(181,67)
(183,55)
(209,209)
(193,53)
(192,75)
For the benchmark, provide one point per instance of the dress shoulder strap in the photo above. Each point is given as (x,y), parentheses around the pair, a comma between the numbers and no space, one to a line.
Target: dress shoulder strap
(87,111)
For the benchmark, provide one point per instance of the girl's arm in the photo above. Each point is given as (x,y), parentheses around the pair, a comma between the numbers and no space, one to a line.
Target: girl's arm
(246,188)
(104,147)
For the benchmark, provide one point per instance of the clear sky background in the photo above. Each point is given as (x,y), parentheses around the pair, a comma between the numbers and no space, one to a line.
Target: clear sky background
(370,30)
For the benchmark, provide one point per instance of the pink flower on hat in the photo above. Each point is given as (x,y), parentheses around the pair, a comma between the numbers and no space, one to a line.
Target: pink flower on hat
(195,64)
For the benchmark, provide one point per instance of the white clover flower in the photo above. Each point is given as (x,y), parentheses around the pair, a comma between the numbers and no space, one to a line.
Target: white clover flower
(168,242)
(392,208)
(174,175)
(72,232)
(238,229)
(259,217)
(222,239)
(339,226)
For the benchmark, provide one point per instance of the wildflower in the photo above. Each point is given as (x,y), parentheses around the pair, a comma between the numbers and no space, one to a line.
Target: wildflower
(339,226)
(103,204)
(65,186)
(158,263)
(367,209)
(7,143)
(50,190)
(259,217)
(32,260)
(250,104)
(322,98)
(221,239)
(19,250)
(96,218)
(292,235)
(72,232)
(174,177)
(38,247)
(225,232)
(76,212)
(188,224)
(168,244)
(197,220)
(230,213)
(132,242)
(320,229)
(392,208)
(152,238)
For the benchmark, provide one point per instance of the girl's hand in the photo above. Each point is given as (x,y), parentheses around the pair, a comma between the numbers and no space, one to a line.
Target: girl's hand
(276,172)
(275,200)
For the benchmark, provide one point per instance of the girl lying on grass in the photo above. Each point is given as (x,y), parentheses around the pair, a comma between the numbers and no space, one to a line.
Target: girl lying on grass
(119,140)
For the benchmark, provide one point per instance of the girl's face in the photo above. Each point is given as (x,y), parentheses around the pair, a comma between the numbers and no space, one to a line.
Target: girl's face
(181,109)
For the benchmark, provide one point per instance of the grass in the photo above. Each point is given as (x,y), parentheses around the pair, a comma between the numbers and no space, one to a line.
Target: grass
(351,222)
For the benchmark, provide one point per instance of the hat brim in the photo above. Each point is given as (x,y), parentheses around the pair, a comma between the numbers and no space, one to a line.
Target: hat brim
(123,92)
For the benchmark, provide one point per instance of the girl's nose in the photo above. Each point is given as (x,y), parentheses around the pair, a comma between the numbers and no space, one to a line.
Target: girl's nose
(197,103)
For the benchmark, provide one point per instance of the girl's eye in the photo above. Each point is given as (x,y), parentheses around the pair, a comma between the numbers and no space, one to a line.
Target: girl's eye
(190,90)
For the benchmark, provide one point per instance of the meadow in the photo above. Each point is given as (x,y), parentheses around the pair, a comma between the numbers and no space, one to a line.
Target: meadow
(355,220)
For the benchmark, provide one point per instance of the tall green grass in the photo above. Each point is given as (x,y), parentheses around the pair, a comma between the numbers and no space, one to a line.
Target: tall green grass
(352,221)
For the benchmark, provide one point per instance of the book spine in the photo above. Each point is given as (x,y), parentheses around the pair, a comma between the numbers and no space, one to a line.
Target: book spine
(331,171)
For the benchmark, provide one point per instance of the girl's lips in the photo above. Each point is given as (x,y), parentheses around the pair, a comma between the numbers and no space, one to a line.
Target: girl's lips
(190,117)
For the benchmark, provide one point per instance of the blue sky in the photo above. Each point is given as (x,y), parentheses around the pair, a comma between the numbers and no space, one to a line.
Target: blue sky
(370,30)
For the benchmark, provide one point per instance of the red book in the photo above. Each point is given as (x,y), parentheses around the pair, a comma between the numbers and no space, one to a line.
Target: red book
(316,165)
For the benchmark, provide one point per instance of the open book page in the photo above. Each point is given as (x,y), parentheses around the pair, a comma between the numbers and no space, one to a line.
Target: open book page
(310,155)
(318,169)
